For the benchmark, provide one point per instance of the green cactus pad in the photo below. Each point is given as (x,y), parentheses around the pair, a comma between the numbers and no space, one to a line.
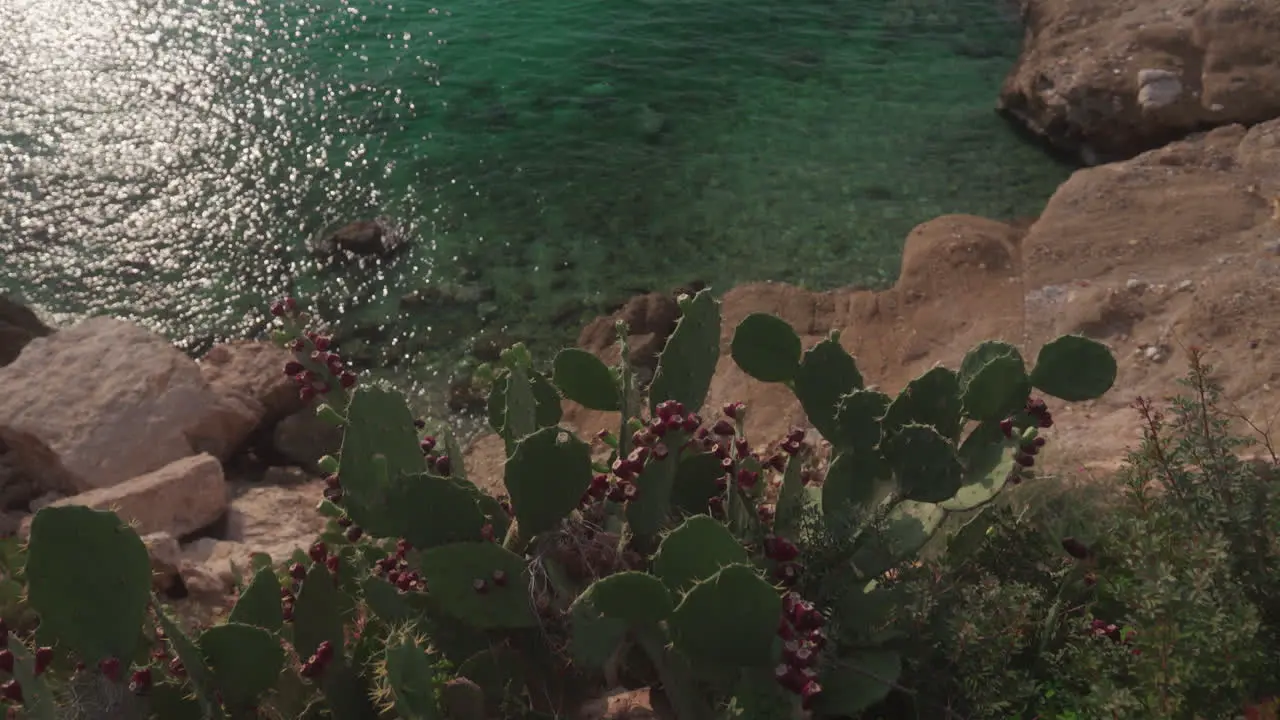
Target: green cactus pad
(695,482)
(997,389)
(378,446)
(1074,368)
(171,700)
(766,348)
(858,418)
(259,604)
(429,510)
(857,682)
(695,551)
(981,354)
(635,598)
(931,399)
(409,673)
(317,613)
(451,572)
(971,536)
(826,374)
(457,468)
(789,509)
(854,478)
(38,701)
(861,613)
(546,401)
(648,513)
(926,464)
(385,601)
(89,577)
(689,359)
(729,619)
(245,661)
(585,379)
(498,671)
(595,637)
(546,477)
(907,527)
(987,458)
(192,659)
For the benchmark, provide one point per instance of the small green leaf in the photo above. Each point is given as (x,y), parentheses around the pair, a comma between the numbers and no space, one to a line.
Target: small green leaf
(766,348)
(586,380)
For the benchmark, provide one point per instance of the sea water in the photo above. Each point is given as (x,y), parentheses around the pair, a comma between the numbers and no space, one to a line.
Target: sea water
(169,161)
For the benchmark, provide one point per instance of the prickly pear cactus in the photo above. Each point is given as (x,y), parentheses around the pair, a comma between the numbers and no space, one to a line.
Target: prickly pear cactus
(406,672)
(688,361)
(89,578)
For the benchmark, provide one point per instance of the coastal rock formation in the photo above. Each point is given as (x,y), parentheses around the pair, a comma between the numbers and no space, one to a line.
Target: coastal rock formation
(250,391)
(100,403)
(376,237)
(18,326)
(1107,79)
(1177,247)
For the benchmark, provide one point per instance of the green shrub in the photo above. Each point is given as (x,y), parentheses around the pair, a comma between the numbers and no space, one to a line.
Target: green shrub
(1167,610)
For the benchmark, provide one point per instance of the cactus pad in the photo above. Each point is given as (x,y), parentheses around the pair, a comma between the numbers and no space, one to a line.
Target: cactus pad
(826,374)
(858,418)
(259,604)
(853,478)
(546,402)
(729,619)
(409,673)
(453,571)
(1074,368)
(931,399)
(766,348)
(428,510)
(89,578)
(635,598)
(595,636)
(926,464)
(987,456)
(545,477)
(317,613)
(689,358)
(245,661)
(906,529)
(586,380)
(857,682)
(192,660)
(791,499)
(648,513)
(996,389)
(695,551)
(695,483)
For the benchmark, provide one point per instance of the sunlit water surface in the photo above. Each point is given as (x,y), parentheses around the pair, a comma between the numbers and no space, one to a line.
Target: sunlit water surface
(168,160)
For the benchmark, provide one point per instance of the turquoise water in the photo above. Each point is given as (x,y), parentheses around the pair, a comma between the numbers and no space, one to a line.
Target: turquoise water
(167,160)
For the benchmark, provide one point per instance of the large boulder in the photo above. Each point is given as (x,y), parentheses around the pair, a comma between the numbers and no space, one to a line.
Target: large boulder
(18,327)
(100,403)
(246,377)
(1108,79)
(179,498)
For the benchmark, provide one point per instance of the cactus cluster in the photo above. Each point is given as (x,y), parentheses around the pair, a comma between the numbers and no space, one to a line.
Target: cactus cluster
(671,534)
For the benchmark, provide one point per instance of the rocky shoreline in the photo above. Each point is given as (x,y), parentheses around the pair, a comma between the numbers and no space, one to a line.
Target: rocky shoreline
(215,458)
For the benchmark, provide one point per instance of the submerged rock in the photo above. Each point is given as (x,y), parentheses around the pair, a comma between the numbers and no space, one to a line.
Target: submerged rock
(377,237)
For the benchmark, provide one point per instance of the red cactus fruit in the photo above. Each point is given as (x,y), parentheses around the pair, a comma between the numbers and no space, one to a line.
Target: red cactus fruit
(110,668)
(140,681)
(500,578)
(6,661)
(1006,427)
(12,691)
(176,668)
(722,427)
(809,693)
(480,585)
(318,552)
(354,533)
(297,571)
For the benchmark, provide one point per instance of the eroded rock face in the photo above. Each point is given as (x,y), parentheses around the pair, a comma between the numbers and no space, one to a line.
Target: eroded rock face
(99,403)
(1108,79)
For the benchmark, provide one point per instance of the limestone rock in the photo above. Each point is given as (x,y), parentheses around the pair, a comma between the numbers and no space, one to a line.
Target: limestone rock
(303,438)
(246,377)
(18,327)
(178,499)
(1108,79)
(99,403)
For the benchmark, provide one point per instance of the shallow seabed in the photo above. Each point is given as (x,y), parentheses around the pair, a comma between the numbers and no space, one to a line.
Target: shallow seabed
(168,160)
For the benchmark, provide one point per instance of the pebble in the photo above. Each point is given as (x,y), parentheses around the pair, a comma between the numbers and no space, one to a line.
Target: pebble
(1153,353)
(1186,285)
